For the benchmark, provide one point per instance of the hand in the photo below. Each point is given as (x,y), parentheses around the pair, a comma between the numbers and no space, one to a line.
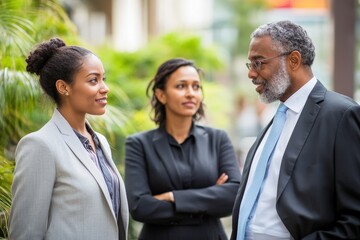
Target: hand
(168,196)
(222,179)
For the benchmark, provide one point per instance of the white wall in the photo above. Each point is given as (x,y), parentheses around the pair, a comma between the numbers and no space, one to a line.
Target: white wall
(130,20)
(129,24)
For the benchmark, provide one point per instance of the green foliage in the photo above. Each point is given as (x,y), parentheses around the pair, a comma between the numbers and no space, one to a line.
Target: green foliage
(133,71)
(24,23)
(187,46)
(15,33)
(217,105)
(18,90)
(6,169)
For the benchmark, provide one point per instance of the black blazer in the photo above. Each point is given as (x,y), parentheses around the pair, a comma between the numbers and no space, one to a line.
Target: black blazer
(318,193)
(150,170)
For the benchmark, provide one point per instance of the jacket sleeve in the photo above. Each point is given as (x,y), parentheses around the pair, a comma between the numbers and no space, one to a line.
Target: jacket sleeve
(216,200)
(143,206)
(32,187)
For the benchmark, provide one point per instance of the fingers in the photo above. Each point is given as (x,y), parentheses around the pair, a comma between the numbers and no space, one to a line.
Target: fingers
(158,197)
(167,196)
(222,179)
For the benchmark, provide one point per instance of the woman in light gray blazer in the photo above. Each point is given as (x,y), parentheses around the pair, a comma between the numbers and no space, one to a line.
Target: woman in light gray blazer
(66,185)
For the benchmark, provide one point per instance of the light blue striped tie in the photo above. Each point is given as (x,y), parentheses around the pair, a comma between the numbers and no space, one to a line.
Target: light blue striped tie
(250,198)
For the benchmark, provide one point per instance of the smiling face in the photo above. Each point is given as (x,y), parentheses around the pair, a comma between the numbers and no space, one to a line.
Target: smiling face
(88,91)
(272,79)
(182,94)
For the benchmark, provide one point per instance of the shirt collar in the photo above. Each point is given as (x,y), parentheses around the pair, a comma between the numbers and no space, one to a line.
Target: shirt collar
(190,135)
(296,102)
(85,140)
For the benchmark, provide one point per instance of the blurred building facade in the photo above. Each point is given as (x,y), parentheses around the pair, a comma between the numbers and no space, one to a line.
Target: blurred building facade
(129,24)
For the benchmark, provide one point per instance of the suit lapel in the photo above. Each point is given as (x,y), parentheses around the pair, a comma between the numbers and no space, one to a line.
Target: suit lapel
(123,199)
(300,134)
(73,142)
(165,155)
(200,157)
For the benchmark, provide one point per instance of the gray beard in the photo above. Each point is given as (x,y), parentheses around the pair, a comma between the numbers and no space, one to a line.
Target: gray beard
(276,86)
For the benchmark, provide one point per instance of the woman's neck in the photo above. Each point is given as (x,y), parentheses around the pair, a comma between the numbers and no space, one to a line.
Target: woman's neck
(76,121)
(179,128)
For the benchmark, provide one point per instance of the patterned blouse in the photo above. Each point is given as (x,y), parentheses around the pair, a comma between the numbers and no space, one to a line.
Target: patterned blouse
(98,157)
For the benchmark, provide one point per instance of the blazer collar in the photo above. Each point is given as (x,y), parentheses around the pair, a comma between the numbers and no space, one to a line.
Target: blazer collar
(198,132)
(74,143)
(300,134)
(162,148)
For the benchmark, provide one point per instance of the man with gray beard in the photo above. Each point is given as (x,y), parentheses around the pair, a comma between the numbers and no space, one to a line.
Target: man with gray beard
(301,176)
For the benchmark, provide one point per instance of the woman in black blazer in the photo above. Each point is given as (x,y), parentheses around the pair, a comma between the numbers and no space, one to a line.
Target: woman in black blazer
(181,178)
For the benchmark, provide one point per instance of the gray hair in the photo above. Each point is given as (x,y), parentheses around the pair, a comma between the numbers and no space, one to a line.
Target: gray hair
(288,36)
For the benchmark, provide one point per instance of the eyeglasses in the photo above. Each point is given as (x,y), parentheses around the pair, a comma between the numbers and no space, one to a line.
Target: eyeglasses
(256,64)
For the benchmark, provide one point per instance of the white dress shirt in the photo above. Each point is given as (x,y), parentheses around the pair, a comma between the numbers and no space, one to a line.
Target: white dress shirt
(266,223)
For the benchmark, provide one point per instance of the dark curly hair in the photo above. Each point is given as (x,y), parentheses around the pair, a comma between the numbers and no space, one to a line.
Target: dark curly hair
(53,60)
(159,81)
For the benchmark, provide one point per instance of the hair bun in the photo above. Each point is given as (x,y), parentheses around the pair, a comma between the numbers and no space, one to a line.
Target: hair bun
(44,51)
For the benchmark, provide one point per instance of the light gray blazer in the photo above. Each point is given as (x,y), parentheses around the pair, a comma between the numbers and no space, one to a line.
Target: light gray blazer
(58,192)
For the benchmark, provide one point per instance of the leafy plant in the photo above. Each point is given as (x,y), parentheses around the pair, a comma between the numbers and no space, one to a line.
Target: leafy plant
(6,169)
(133,71)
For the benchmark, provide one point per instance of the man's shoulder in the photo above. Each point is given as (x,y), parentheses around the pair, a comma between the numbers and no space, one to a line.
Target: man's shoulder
(338,100)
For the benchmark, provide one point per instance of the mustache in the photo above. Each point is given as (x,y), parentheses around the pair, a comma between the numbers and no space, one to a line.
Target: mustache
(258,81)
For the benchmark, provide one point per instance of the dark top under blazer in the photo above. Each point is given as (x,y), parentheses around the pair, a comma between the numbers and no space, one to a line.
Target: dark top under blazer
(318,193)
(150,169)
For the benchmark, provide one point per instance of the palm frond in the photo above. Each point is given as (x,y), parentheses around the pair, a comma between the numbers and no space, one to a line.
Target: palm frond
(5,204)
(15,32)
(19,91)
(6,170)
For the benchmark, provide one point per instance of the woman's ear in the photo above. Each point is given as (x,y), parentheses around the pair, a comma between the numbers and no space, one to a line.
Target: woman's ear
(159,93)
(62,87)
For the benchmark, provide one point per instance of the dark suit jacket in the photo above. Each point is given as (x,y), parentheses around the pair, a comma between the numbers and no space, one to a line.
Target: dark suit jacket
(318,193)
(150,169)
